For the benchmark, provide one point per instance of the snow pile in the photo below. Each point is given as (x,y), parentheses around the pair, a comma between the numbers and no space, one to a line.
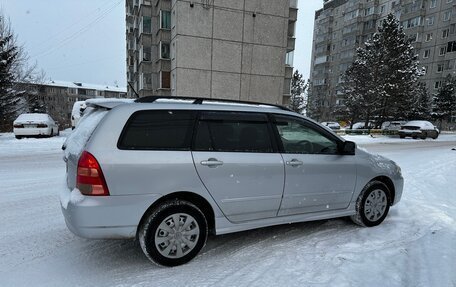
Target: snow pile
(75,196)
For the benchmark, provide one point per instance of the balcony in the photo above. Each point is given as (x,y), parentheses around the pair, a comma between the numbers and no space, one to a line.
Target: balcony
(293,16)
(288,72)
(294,4)
(291,44)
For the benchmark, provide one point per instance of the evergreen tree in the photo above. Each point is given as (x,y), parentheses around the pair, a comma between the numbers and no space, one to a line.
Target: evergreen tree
(298,89)
(383,77)
(8,56)
(16,77)
(444,102)
(420,108)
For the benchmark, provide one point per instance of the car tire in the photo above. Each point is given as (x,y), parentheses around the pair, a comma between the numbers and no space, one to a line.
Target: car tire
(424,136)
(414,137)
(167,245)
(402,136)
(372,205)
(18,137)
(436,136)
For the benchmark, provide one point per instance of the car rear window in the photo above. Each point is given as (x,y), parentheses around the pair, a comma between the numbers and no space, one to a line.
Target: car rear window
(158,130)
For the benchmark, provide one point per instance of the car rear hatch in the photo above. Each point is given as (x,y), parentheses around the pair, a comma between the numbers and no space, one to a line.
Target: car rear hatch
(75,143)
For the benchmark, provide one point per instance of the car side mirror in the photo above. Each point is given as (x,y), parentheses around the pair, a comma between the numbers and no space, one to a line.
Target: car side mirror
(348,148)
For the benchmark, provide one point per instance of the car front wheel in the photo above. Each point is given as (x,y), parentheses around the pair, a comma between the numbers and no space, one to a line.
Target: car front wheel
(372,205)
(173,233)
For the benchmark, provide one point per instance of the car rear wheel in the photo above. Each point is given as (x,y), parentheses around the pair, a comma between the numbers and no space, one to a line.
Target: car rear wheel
(372,205)
(173,233)
(18,137)
(402,136)
(424,135)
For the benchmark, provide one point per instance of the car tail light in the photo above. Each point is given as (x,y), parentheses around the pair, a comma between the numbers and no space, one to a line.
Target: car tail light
(90,179)
(41,126)
(18,126)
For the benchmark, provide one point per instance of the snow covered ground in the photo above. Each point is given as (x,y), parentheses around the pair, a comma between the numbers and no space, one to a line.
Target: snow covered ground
(415,246)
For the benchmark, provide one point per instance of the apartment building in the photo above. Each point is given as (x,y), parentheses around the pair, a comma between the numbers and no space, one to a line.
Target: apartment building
(59,96)
(241,50)
(343,25)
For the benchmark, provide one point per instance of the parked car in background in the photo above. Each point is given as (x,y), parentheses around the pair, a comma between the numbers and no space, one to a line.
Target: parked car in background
(332,125)
(360,125)
(171,171)
(27,125)
(393,125)
(76,113)
(419,129)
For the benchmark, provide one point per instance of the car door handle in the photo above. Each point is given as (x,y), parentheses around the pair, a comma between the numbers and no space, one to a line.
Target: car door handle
(294,162)
(212,162)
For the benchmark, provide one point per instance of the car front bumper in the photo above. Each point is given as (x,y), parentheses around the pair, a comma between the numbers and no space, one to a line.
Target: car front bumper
(104,217)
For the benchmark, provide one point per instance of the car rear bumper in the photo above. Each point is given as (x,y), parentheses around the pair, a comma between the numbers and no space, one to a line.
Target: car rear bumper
(409,132)
(32,131)
(104,217)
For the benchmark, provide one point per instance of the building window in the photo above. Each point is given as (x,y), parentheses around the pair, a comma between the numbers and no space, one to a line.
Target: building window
(146,24)
(382,9)
(146,53)
(445,33)
(449,65)
(451,47)
(446,15)
(439,68)
(165,19)
(430,20)
(369,11)
(442,51)
(433,4)
(437,85)
(426,53)
(428,37)
(452,29)
(164,50)
(410,23)
(165,80)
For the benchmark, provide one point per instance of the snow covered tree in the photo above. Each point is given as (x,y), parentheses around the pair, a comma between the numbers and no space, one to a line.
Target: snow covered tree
(420,108)
(298,89)
(16,76)
(384,75)
(8,56)
(444,102)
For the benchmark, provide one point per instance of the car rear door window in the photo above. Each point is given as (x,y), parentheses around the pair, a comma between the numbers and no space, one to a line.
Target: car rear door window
(158,130)
(233,132)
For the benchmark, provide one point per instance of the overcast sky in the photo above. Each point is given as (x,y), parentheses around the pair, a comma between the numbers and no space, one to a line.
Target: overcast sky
(84,40)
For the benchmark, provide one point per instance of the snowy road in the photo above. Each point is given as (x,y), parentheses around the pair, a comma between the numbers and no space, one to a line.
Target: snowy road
(415,246)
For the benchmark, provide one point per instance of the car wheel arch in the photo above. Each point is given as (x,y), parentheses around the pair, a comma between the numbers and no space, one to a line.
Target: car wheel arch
(389,183)
(191,197)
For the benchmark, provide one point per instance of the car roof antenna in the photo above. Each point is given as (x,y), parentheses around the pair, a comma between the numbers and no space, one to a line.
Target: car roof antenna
(131,87)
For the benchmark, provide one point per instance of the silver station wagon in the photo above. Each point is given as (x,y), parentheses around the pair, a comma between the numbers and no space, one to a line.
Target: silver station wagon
(170,171)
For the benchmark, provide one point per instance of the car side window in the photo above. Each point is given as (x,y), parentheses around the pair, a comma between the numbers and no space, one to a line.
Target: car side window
(298,137)
(158,130)
(233,132)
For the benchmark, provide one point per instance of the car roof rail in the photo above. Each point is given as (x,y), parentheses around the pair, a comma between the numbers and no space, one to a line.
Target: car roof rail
(199,101)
